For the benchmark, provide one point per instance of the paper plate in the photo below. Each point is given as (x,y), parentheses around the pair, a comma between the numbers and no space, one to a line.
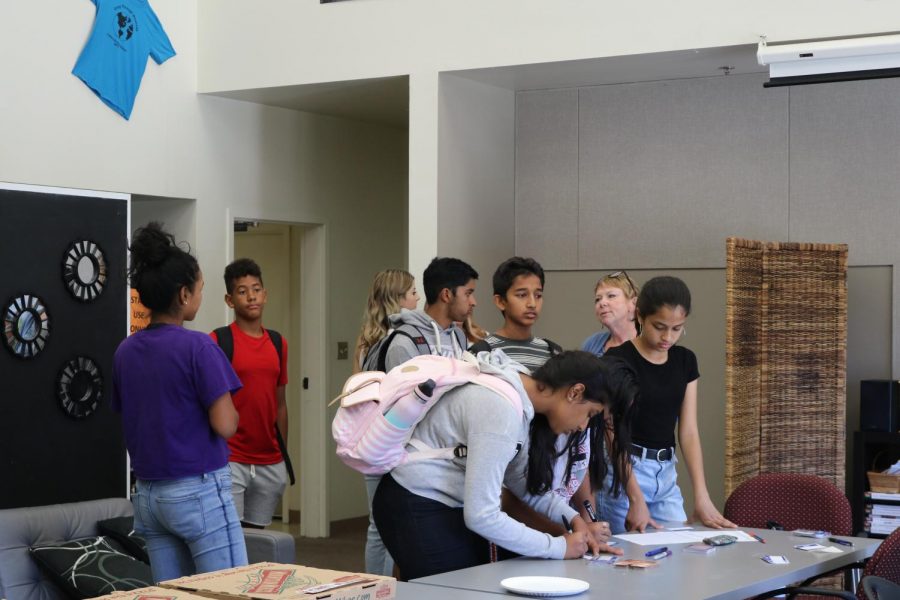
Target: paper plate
(545,586)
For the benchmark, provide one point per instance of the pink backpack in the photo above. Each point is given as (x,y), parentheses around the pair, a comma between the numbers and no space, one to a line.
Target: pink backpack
(369,442)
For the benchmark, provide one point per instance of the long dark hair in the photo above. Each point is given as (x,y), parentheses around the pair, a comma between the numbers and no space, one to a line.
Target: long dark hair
(608,381)
(159,268)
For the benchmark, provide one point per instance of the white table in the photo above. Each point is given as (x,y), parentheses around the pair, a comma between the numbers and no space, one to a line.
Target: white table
(730,572)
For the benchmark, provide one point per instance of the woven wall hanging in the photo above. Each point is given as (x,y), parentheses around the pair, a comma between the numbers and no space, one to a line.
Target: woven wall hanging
(786,362)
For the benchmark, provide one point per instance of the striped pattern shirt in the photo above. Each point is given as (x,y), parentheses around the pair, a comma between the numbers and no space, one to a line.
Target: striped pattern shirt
(531,353)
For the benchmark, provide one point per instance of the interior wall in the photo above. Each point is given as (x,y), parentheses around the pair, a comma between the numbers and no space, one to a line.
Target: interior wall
(177,215)
(243,47)
(476,170)
(658,174)
(231,157)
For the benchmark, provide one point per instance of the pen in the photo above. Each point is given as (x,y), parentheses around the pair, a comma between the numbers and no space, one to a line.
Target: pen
(840,541)
(661,555)
(656,551)
(590,511)
(757,538)
(566,524)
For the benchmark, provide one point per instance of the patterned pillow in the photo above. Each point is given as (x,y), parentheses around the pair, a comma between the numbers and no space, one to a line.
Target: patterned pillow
(91,567)
(121,529)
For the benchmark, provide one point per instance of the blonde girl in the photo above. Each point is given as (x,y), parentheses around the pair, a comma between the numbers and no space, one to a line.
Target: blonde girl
(392,290)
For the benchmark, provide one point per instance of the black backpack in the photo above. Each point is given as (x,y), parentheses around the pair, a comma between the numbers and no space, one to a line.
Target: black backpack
(376,357)
(226,343)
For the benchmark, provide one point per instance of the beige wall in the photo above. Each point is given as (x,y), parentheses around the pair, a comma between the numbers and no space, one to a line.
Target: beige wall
(230,158)
(293,42)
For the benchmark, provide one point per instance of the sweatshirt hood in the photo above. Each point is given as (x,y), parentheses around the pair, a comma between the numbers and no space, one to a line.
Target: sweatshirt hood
(497,363)
(442,341)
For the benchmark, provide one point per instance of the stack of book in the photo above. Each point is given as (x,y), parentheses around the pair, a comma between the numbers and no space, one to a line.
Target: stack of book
(882,513)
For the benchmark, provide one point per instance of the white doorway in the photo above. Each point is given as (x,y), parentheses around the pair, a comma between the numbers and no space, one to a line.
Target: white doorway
(292,260)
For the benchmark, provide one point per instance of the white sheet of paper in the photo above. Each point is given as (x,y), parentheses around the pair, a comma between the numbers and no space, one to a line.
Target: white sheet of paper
(776,560)
(665,537)
(818,548)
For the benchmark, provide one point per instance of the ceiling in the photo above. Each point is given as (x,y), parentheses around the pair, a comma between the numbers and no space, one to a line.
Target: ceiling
(386,100)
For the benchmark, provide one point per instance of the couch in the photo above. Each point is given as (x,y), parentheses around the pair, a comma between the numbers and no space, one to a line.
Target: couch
(21,528)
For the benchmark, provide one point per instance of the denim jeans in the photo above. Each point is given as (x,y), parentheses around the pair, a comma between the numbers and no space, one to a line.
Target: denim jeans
(424,536)
(190,524)
(378,559)
(659,486)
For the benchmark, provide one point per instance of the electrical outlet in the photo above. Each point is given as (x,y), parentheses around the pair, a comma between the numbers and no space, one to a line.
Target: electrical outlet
(343,351)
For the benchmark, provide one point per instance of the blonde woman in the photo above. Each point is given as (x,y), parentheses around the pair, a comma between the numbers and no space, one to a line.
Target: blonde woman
(392,290)
(615,297)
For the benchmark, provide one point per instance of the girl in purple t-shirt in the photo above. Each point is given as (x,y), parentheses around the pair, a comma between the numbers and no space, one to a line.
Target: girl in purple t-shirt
(173,388)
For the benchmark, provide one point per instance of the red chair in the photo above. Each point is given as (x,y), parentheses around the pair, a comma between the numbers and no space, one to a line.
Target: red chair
(794,501)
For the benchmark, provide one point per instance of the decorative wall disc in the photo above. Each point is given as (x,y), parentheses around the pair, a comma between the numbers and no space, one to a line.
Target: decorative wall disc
(84,270)
(79,387)
(26,326)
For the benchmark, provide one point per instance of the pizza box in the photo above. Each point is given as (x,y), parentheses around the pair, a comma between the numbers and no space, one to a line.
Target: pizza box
(152,593)
(273,581)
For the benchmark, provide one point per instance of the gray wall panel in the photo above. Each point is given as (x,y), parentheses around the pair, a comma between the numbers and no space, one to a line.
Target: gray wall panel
(476,169)
(669,169)
(547,177)
(845,167)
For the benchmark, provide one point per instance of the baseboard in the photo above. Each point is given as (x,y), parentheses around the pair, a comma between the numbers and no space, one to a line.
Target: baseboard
(339,526)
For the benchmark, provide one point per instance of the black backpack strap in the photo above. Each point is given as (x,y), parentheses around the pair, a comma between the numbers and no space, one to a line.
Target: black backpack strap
(554,347)
(276,340)
(225,341)
(480,346)
(415,335)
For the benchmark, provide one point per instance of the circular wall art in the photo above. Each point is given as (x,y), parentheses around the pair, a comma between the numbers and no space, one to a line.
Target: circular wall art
(84,270)
(26,325)
(79,387)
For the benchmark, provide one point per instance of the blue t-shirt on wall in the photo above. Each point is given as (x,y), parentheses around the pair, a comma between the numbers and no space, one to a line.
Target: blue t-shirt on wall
(112,62)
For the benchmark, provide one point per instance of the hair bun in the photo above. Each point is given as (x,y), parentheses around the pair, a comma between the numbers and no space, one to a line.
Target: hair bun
(151,246)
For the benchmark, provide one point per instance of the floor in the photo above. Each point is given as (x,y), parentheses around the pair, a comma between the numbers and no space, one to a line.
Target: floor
(343,551)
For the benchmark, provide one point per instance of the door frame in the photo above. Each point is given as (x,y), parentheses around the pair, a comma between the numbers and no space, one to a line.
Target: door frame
(312,472)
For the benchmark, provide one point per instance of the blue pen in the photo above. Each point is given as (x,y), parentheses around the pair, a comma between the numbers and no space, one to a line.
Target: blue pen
(661,555)
(840,541)
(656,551)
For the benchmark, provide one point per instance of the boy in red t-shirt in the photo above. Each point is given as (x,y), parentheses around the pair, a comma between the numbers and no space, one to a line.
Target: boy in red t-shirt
(257,466)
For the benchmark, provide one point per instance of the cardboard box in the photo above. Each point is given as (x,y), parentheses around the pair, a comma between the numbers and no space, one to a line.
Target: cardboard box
(273,581)
(152,593)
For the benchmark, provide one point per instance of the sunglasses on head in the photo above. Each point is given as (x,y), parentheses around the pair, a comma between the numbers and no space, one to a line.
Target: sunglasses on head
(621,274)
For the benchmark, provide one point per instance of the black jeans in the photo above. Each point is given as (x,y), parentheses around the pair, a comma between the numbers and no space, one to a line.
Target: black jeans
(425,537)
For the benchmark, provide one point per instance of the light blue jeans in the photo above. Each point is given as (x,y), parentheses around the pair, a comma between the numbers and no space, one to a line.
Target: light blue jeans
(659,486)
(190,524)
(378,559)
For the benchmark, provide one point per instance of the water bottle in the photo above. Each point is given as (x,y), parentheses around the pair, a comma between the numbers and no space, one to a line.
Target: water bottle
(404,412)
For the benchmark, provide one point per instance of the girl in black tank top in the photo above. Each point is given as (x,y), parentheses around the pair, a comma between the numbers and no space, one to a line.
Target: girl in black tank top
(668,377)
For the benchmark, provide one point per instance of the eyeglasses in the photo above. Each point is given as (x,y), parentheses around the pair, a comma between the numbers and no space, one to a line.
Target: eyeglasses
(621,274)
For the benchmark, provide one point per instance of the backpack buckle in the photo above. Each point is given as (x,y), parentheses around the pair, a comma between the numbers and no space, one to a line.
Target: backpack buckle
(460,451)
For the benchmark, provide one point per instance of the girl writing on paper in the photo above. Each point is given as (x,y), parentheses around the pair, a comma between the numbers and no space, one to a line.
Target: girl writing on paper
(668,377)
(440,515)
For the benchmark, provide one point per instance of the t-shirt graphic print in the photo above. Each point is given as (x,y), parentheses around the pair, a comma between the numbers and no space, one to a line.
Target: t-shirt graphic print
(113,61)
